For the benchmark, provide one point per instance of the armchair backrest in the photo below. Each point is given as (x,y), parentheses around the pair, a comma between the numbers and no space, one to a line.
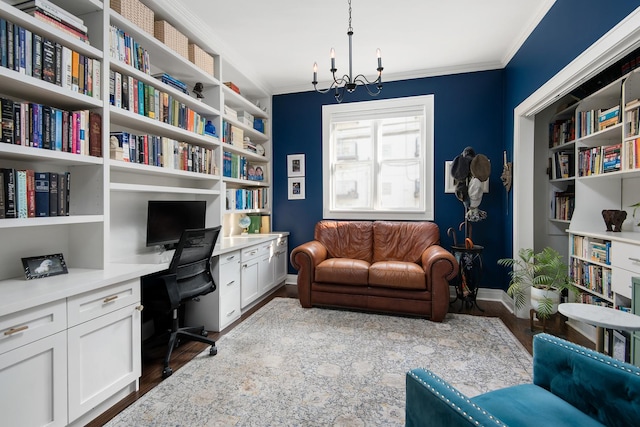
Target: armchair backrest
(598,385)
(191,264)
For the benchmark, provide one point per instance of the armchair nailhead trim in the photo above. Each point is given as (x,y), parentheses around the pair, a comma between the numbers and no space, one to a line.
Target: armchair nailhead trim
(576,348)
(457,393)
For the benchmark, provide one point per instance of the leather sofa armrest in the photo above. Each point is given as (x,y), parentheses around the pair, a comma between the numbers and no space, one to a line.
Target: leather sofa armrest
(431,401)
(440,266)
(304,258)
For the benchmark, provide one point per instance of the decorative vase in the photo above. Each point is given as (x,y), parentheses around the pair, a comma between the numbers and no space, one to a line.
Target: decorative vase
(538,295)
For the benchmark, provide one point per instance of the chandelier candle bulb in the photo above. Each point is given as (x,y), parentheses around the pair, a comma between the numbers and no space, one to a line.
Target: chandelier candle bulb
(315,72)
(332,54)
(379,55)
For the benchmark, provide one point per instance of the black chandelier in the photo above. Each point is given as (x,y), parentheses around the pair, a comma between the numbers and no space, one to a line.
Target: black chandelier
(347,82)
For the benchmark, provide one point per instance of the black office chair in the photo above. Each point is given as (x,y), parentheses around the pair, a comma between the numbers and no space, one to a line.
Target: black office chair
(188,277)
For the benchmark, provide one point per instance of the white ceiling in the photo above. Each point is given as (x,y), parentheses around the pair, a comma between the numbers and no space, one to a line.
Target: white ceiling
(276,42)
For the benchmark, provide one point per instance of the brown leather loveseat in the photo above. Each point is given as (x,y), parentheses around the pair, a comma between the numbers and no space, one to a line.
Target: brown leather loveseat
(384,266)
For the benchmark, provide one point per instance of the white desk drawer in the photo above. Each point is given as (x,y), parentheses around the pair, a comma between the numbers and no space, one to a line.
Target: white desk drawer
(229,277)
(230,306)
(30,325)
(626,255)
(229,257)
(93,304)
(255,251)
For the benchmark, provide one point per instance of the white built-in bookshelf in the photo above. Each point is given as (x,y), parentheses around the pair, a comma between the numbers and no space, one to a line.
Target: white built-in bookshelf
(102,238)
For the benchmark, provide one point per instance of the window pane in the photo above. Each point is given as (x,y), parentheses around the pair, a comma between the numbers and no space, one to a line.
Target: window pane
(400,185)
(400,138)
(352,183)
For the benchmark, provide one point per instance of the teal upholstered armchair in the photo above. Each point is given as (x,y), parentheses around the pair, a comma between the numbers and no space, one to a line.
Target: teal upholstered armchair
(572,386)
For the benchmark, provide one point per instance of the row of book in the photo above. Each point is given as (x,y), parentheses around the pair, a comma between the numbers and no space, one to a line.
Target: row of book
(54,15)
(242,198)
(632,118)
(232,134)
(141,98)
(592,277)
(161,151)
(592,121)
(29,194)
(124,48)
(632,153)
(586,298)
(598,160)
(562,165)
(42,58)
(592,248)
(42,126)
(563,205)
(562,131)
(238,167)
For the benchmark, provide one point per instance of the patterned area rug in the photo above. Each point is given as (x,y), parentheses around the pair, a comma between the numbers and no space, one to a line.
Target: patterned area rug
(290,366)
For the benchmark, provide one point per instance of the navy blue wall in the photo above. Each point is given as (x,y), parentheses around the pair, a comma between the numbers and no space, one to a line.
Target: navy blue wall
(474,109)
(468,112)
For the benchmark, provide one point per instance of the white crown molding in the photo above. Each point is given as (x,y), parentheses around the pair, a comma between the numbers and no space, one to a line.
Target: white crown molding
(545,6)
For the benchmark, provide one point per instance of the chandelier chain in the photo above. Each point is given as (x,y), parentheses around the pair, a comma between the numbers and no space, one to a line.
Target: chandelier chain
(350,29)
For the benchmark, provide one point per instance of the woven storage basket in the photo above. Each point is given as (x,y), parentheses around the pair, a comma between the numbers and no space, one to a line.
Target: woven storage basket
(135,12)
(173,38)
(200,58)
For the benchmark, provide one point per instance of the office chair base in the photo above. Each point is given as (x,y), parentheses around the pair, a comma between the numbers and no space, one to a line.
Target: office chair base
(195,334)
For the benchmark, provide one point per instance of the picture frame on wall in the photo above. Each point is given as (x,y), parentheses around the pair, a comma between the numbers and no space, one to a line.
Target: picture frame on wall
(44,266)
(295,165)
(296,188)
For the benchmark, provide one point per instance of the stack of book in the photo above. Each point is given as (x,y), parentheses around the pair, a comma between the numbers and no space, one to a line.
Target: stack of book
(45,11)
(172,81)
(632,108)
(609,117)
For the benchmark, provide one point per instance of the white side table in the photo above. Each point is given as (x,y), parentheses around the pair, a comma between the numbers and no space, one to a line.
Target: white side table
(602,318)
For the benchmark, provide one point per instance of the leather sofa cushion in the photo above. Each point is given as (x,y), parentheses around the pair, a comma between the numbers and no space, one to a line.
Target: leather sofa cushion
(344,271)
(346,239)
(403,241)
(398,275)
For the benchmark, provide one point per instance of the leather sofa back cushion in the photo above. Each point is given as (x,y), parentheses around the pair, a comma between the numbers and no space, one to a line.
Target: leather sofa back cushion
(403,241)
(346,239)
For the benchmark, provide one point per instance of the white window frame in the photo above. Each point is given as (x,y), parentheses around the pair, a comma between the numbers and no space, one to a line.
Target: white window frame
(366,110)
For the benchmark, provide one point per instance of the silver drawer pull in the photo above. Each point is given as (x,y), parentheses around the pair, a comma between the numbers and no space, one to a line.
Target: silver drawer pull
(244,265)
(253,252)
(16,330)
(140,307)
(634,259)
(112,298)
(231,283)
(229,314)
(229,258)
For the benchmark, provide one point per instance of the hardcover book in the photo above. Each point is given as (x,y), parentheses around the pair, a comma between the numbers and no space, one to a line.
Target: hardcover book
(21,194)
(53,194)
(2,204)
(95,134)
(42,193)
(48,60)
(31,193)
(9,192)
(6,110)
(62,194)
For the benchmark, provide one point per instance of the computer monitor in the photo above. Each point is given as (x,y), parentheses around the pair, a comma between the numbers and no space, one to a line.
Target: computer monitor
(166,219)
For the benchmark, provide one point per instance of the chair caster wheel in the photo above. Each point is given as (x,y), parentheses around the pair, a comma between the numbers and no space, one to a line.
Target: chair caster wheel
(213,351)
(166,372)
(204,333)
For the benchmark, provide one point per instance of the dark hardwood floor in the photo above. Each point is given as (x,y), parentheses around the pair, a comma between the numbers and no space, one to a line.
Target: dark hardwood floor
(152,360)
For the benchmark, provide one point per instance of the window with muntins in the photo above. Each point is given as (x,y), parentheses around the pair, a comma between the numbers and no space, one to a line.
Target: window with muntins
(378,159)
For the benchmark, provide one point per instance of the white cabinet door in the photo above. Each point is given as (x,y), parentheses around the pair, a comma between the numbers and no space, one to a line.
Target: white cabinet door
(104,357)
(249,279)
(33,383)
(280,261)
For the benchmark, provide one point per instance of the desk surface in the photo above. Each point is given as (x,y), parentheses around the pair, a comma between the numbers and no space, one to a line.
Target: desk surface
(598,315)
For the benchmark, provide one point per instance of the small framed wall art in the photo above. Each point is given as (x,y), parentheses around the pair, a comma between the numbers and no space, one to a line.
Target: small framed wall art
(295,165)
(44,266)
(296,188)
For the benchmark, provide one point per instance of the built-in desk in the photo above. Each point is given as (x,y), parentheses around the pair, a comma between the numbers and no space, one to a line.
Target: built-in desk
(78,335)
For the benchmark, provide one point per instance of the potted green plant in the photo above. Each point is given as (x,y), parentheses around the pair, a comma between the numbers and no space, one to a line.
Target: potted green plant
(544,272)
